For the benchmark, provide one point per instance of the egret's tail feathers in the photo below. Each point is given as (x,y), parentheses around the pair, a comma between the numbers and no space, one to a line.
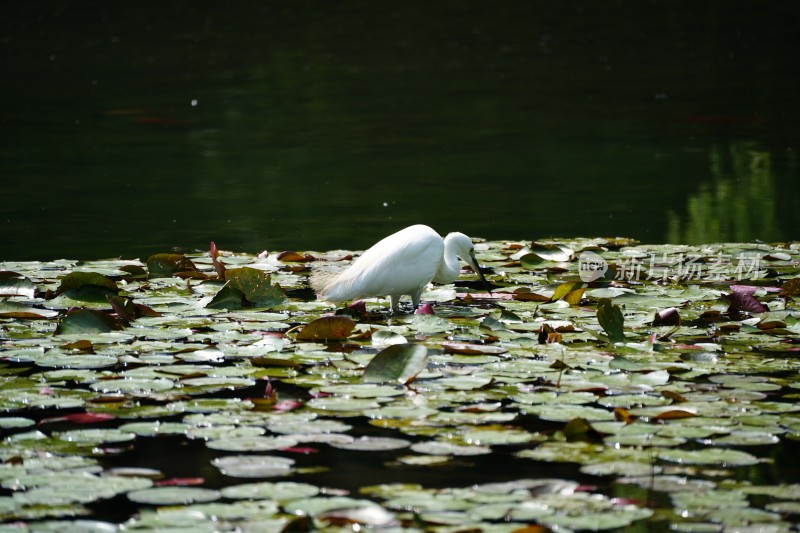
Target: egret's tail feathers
(321,280)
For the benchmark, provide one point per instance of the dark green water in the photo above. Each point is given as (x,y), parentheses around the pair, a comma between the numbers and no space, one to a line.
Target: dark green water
(131,128)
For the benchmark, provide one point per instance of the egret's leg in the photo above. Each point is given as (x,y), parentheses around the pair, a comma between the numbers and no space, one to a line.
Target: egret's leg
(394,301)
(415,298)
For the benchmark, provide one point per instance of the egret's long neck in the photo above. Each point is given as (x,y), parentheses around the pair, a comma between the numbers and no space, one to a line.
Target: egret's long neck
(449,268)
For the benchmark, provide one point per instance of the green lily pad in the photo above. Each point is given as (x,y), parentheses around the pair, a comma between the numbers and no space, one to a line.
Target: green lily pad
(173,495)
(398,362)
(327,328)
(447,448)
(715,456)
(87,321)
(254,466)
(166,265)
(256,286)
(252,444)
(610,317)
(367,443)
(279,491)
(77,280)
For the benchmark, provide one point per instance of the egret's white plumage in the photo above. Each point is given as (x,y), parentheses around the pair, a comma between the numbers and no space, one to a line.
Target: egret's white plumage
(402,263)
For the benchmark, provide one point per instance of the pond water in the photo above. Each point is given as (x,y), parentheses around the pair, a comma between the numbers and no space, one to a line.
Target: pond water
(128,129)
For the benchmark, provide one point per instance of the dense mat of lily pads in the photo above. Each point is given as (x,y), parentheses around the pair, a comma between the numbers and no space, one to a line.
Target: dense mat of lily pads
(666,374)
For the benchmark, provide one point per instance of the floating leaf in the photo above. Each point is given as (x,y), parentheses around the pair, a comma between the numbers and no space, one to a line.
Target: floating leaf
(578,429)
(13,284)
(448,448)
(79,418)
(295,257)
(167,265)
(708,456)
(385,337)
(791,287)
(571,292)
(279,491)
(552,252)
(741,298)
(398,362)
(472,349)
(252,444)
(367,443)
(254,466)
(611,320)
(77,280)
(227,297)
(327,328)
(87,321)
(11,309)
(173,495)
(256,286)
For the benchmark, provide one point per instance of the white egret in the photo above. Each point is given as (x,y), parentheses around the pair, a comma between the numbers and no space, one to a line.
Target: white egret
(402,263)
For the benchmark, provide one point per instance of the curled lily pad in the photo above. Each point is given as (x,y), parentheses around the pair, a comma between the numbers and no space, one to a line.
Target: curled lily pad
(14,284)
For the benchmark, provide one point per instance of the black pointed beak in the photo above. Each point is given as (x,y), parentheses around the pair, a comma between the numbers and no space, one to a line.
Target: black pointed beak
(477,268)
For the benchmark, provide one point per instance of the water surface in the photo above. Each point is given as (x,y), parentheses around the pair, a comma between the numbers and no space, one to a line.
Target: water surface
(130,129)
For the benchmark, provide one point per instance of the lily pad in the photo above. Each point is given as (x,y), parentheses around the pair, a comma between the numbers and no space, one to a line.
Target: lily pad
(611,320)
(173,495)
(708,456)
(278,491)
(166,265)
(14,284)
(87,321)
(254,466)
(327,328)
(398,362)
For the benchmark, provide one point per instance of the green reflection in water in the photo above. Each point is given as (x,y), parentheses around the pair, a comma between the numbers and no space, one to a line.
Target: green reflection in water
(739,204)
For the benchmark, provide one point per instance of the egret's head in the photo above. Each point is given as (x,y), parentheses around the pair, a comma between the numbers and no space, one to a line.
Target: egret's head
(465,251)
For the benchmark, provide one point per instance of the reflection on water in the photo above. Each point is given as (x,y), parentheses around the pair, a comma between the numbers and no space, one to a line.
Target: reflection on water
(129,130)
(739,203)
